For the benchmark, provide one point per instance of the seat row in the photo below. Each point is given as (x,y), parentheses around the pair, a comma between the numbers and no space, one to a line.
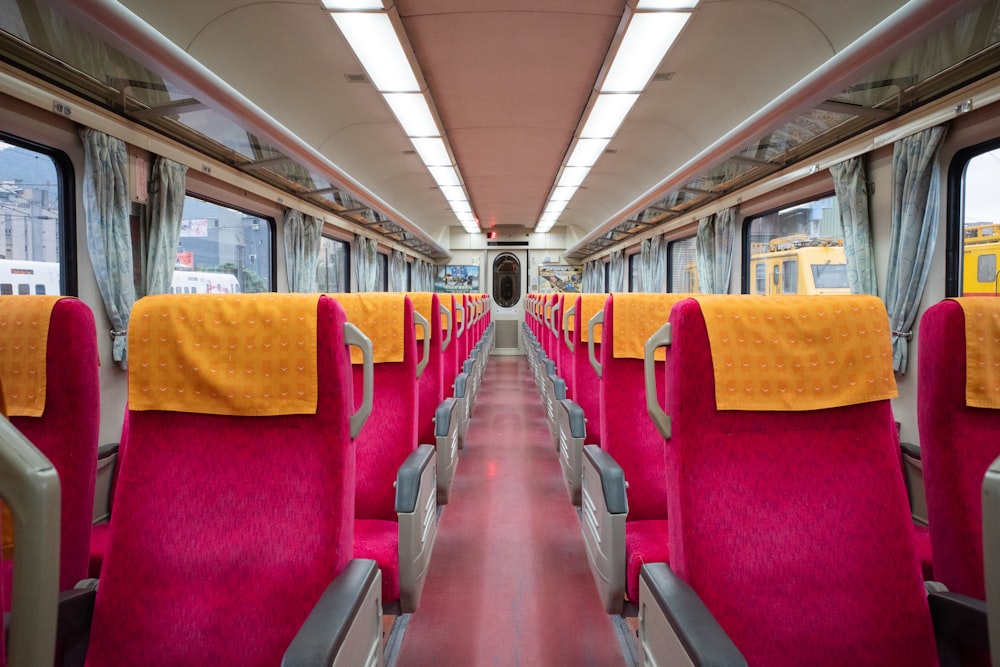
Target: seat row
(269,448)
(749,473)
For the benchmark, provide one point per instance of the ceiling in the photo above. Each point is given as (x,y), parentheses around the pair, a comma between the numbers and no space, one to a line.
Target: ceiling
(511,81)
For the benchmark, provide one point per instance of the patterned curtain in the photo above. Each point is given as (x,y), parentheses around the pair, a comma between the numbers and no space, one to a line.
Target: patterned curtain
(109,237)
(653,265)
(166,205)
(915,185)
(850,182)
(714,246)
(303,238)
(397,272)
(364,256)
(616,273)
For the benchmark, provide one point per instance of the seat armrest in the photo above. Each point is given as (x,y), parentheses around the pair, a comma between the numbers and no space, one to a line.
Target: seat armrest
(107,449)
(960,626)
(345,626)
(442,417)
(408,478)
(76,612)
(612,479)
(910,449)
(675,626)
(574,418)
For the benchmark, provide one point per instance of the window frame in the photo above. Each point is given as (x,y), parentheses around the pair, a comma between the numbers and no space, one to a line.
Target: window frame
(955,214)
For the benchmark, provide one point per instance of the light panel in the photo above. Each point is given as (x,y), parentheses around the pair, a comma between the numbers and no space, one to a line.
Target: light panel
(586,152)
(572,176)
(666,5)
(607,115)
(453,193)
(563,193)
(646,41)
(432,151)
(374,41)
(413,113)
(445,175)
(352,5)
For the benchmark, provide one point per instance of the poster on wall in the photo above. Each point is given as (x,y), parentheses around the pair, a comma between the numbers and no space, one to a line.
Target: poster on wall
(560,279)
(457,278)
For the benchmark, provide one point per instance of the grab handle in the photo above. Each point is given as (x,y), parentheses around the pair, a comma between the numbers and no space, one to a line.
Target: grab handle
(556,307)
(354,337)
(447,317)
(420,321)
(598,318)
(659,339)
(569,315)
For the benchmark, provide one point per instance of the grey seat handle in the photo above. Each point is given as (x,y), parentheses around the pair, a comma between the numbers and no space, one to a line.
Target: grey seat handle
(598,318)
(460,324)
(353,337)
(556,307)
(420,321)
(447,317)
(659,339)
(570,312)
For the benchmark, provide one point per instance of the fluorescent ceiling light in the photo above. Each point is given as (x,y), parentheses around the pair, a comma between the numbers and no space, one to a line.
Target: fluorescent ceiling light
(607,115)
(646,41)
(413,113)
(663,5)
(586,152)
(353,5)
(563,193)
(555,208)
(453,192)
(445,175)
(378,48)
(460,207)
(432,151)
(572,176)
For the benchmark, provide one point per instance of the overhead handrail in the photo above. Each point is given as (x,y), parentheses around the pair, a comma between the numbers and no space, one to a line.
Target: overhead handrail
(598,318)
(353,336)
(420,321)
(659,339)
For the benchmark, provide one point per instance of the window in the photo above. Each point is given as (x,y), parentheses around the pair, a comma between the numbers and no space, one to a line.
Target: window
(974,222)
(333,269)
(381,272)
(799,247)
(683,270)
(222,250)
(409,276)
(506,280)
(34,211)
(634,272)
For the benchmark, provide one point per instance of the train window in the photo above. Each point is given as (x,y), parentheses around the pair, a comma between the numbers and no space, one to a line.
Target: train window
(33,216)
(506,280)
(801,247)
(975,228)
(333,270)
(634,267)
(683,271)
(382,272)
(223,250)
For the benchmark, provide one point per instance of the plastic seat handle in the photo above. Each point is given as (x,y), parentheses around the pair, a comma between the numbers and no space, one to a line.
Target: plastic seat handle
(354,337)
(659,339)
(420,321)
(447,317)
(598,318)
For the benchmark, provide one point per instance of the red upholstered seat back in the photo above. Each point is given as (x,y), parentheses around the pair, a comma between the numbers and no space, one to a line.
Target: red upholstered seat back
(67,431)
(793,527)
(957,445)
(390,434)
(449,358)
(430,384)
(227,529)
(586,384)
(564,362)
(627,432)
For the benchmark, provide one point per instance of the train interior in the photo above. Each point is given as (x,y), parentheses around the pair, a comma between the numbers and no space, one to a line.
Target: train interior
(422,325)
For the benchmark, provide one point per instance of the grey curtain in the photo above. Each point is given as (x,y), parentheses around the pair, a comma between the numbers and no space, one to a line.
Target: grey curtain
(653,265)
(714,248)
(616,273)
(364,256)
(303,238)
(397,272)
(915,186)
(850,182)
(166,205)
(593,277)
(109,237)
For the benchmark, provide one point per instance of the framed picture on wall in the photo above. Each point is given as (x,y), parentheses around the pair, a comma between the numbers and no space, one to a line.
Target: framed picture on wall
(560,279)
(457,278)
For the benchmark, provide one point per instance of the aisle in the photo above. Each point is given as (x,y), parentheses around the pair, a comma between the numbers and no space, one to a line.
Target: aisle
(509,582)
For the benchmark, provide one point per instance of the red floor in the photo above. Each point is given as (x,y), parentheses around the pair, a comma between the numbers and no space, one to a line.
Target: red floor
(509,582)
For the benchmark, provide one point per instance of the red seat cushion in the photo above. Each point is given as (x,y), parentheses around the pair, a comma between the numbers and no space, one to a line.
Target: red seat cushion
(379,541)
(645,542)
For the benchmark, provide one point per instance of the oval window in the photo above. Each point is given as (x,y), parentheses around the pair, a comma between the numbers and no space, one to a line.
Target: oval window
(506,280)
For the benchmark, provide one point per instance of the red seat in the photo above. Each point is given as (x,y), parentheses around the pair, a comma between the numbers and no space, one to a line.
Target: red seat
(396,509)
(66,431)
(789,526)
(958,442)
(234,504)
